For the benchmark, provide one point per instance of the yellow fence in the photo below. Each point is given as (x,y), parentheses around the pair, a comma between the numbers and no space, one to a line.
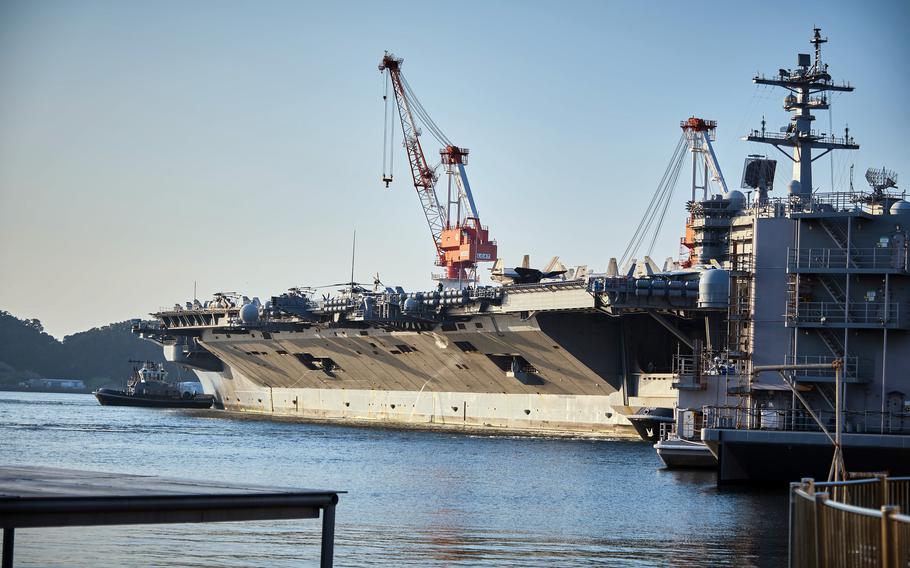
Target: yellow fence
(850,524)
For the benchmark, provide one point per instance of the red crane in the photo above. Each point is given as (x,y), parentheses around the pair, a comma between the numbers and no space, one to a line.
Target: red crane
(460,240)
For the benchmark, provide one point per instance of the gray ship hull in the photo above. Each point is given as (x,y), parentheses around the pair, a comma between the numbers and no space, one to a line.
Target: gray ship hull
(569,377)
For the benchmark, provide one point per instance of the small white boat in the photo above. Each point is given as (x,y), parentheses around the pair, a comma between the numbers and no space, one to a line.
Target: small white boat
(676,452)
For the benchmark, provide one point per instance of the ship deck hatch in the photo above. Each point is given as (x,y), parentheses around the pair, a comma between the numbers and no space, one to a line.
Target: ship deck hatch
(326,364)
(516,366)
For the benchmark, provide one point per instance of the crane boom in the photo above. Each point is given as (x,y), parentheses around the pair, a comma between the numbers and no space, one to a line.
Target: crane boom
(424,177)
(460,240)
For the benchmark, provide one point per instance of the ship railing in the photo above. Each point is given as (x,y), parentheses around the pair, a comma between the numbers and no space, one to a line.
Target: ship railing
(688,371)
(204,308)
(705,364)
(859,522)
(854,367)
(834,313)
(799,420)
(817,135)
(691,429)
(829,202)
(846,201)
(670,430)
(886,258)
(718,221)
(687,365)
(839,201)
(742,264)
(773,207)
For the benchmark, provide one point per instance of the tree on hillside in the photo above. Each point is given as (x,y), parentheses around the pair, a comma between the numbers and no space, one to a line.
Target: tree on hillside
(101,352)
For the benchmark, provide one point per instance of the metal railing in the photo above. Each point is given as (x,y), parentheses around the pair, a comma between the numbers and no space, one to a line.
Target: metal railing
(814,134)
(833,313)
(743,263)
(773,207)
(705,364)
(855,523)
(853,366)
(843,201)
(828,202)
(691,428)
(799,420)
(838,201)
(884,258)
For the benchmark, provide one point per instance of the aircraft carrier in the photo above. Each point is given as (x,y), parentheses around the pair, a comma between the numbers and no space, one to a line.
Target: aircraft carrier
(558,350)
(813,282)
(557,355)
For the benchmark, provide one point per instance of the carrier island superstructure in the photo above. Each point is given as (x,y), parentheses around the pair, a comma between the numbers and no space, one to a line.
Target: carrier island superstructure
(818,280)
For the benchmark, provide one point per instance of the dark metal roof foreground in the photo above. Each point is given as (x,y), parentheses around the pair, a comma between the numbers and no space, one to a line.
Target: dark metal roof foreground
(51,497)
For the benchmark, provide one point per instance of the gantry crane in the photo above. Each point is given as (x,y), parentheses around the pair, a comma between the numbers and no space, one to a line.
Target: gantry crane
(460,240)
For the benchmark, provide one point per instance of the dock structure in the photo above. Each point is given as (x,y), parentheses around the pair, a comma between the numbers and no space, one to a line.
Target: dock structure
(32,497)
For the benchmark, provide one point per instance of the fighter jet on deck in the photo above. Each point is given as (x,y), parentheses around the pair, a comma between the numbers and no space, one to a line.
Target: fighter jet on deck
(524,274)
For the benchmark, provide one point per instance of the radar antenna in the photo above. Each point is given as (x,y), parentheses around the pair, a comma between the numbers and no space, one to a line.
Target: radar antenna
(880,180)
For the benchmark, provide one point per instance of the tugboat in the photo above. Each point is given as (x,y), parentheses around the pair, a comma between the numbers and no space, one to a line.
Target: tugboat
(148,386)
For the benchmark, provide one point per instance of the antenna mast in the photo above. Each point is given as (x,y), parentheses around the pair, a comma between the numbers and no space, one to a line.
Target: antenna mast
(353,250)
(808,79)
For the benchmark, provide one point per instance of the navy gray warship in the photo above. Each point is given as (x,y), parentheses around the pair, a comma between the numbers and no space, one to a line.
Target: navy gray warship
(811,279)
(547,356)
(545,350)
(807,372)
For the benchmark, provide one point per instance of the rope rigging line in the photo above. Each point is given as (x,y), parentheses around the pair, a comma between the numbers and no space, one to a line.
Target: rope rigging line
(422,113)
(392,146)
(657,200)
(385,125)
(671,188)
(392,151)
(647,218)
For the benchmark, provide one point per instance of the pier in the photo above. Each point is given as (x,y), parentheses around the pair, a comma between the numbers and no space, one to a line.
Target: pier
(32,497)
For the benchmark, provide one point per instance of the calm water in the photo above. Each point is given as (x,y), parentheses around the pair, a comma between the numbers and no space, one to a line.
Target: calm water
(414,498)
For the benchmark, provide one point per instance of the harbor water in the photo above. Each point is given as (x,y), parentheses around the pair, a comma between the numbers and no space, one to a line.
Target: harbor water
(415,498)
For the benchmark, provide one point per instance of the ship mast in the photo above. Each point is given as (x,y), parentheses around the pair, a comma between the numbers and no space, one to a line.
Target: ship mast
(804,83)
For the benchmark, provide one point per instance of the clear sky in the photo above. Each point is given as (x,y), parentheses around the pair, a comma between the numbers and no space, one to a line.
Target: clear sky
(148,145)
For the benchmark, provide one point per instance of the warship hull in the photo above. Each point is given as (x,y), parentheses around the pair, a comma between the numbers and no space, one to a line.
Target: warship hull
(557,372)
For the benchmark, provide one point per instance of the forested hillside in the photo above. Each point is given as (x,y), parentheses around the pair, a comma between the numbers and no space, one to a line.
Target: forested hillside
(98,356)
